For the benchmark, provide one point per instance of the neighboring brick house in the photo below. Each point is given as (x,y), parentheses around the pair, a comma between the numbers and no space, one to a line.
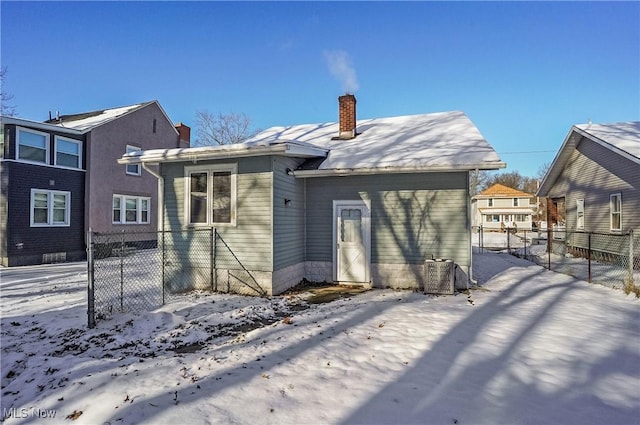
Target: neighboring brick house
(60,177)
(500,206)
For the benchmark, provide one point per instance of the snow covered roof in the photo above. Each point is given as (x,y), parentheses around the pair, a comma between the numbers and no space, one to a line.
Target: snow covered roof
(236,150)
(87,121)
(429,142)
(439,141)
(622,138)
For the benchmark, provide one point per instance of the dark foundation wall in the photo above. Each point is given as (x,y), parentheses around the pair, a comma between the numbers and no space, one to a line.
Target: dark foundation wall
(35,245)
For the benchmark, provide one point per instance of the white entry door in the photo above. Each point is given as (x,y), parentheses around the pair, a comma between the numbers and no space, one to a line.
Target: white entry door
(352,236)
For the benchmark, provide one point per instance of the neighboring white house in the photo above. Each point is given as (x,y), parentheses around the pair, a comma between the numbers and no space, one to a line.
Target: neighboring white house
(500,206)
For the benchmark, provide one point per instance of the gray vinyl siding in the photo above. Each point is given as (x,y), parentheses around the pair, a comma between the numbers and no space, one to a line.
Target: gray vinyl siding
(413,216)
(593,173)
(288,220)
(251,238)
(4,188)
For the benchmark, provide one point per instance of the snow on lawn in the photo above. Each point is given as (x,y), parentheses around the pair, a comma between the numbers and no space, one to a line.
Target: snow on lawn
(529,347)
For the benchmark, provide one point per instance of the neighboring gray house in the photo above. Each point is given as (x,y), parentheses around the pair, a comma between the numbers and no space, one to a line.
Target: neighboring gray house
(61,177)
(351,202)
(593,184)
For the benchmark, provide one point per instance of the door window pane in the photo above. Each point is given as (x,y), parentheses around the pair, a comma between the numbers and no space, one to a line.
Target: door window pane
(351,226)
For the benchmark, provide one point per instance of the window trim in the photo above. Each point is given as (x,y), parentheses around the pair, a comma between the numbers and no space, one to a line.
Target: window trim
(210,169)
(131,148)
(47,146)
(50,208)
(490,202)
(123,209)
(516,202)
(580,214)
(1,142)
(611,212)
(56,138)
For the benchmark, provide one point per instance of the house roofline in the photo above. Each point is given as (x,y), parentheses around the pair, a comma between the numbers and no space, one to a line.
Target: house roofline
(155,156)
(609,146)
(39,125)
(395,170)
(563,154)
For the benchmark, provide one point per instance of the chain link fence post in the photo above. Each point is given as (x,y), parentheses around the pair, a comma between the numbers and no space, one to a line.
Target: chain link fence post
(631,257)
(90,281)
(122,273)
(212,256)
(163,266)
(589,256)
(215,259)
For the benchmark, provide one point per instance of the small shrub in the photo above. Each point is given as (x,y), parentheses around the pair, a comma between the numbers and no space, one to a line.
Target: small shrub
(631,288)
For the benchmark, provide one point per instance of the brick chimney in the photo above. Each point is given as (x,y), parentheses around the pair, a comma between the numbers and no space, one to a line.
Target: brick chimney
(347,115)
(184,135)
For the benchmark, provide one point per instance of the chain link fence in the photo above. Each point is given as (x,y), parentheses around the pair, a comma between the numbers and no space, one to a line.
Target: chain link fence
(612,260)
(140,271)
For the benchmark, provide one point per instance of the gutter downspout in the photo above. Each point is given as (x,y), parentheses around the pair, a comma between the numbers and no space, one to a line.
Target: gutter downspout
(160,194)
(469,212)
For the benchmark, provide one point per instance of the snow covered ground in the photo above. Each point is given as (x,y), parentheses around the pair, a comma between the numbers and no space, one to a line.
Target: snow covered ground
(529,347)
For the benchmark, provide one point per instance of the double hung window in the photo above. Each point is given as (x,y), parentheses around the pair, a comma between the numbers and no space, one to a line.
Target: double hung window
(32,146)
(211,195)
(579,213)
(615,208)
(68,152)
(133,169)
(130,209)
(50,208)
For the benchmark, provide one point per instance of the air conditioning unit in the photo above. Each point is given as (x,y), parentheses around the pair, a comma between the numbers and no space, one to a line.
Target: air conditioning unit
(439,276)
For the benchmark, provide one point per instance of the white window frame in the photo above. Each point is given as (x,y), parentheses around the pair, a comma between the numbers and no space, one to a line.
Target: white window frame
(1,142)
(138,172)
(612,212)
(50,208)
(580,214)
(55,149)
(123,209)
(516,202)
(210,169)
(47,146)
(490,202)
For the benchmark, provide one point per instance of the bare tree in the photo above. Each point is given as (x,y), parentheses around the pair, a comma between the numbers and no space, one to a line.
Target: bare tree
(222,129)
(478,181)
(5,108)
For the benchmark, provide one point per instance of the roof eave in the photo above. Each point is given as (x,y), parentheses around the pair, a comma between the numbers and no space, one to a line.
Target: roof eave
(39,125)
(396,170)
(188,154)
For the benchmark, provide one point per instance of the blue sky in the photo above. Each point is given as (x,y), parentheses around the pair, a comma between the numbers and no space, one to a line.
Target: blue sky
(524,72)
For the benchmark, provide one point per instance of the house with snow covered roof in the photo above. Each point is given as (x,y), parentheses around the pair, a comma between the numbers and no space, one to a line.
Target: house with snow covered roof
(593,182)
(499,206)
(61,177)
(354,201)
